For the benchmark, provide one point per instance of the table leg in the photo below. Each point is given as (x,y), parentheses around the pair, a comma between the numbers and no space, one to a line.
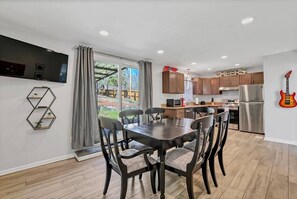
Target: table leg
(162,173)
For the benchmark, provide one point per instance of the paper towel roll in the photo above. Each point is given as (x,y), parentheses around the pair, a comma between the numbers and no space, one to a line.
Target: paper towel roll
(196,100)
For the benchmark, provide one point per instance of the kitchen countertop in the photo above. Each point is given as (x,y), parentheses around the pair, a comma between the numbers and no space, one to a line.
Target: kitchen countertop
(216,104)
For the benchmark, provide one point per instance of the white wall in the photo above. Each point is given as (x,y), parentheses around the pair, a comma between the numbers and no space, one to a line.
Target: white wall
(20,145)
(280,123)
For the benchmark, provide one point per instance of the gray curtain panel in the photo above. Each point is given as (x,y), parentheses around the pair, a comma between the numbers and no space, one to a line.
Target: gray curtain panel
(85,129)
(145,86)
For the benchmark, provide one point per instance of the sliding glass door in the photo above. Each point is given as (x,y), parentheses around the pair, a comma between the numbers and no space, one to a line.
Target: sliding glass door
(117,86)
(130,88)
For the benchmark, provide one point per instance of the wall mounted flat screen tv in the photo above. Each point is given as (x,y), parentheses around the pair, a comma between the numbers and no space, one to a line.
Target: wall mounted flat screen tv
(23,60)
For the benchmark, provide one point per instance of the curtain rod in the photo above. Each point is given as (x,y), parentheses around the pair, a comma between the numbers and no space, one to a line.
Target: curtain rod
(115,56)
(110,55)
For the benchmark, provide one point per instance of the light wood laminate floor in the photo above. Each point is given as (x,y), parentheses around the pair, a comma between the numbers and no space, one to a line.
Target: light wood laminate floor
(255,169)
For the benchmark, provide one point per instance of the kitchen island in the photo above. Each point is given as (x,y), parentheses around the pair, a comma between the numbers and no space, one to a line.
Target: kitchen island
(186,111)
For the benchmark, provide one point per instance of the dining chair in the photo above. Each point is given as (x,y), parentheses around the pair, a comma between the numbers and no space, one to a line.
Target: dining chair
(185,162)
(155,114)
(223,123)
(127,163)
(202,111)
(132,116)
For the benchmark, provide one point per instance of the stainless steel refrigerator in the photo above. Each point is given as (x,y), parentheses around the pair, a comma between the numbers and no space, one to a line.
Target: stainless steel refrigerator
(251,108)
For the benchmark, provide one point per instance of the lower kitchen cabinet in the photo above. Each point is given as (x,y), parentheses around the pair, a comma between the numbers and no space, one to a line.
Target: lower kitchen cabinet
(178,113)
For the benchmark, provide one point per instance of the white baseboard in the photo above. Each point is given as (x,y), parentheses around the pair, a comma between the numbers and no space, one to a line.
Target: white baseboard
(35,164)
(86,157)
(281,141)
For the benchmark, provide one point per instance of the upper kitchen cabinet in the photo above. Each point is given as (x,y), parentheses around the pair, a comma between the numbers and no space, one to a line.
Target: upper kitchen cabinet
(197,86)
(224,81)
(229,81)
(215,85)
(173,82)
(233,80)
(258,78)
(245,79)
(206,86)
(180,83)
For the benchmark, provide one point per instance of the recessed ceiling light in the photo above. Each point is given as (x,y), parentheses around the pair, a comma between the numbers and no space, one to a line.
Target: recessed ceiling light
(104,33)
(160,51)
(224,57)
(247,20)
(237,64)
(193,63)
(209,69)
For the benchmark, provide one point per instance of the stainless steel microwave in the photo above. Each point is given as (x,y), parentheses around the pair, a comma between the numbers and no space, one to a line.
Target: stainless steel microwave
(173,102)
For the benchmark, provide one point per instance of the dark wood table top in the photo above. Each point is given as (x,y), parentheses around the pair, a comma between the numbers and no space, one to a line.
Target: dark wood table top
(168,129)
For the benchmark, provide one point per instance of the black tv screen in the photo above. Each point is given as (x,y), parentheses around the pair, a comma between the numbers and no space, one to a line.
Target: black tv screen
(23,60)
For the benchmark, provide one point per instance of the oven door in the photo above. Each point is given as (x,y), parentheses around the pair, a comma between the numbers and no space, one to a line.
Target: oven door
(234,116)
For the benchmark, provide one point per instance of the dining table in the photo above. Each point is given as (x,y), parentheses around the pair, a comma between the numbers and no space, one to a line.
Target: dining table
(161,135)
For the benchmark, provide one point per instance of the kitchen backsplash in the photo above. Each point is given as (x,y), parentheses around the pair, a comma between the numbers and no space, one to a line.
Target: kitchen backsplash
(218,98)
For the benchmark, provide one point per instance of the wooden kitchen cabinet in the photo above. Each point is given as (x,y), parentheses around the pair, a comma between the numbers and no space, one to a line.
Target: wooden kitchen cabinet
(229,81)
(234,81)
(173,82)
(174,113)
(206,86)
(215,85)
(224,81)
(245,79)
(258,78)
(180,83)
(197,86)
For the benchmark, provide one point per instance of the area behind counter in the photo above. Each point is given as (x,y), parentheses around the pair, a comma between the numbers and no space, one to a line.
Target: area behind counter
(181,112)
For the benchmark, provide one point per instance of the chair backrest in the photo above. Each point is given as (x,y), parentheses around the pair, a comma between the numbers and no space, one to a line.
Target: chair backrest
(130,116)
(155,114)
(108,128)
(223,125)
(204,139)
(202,111)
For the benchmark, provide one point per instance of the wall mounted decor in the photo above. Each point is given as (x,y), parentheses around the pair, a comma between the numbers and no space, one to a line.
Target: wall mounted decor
(41,117)
(237,71)
(287,99)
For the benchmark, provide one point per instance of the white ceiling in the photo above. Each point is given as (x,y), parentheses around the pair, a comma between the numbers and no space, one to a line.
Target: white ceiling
(188,31)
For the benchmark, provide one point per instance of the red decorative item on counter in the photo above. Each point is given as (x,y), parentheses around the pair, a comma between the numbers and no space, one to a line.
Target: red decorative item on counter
(169,68)
(182,101)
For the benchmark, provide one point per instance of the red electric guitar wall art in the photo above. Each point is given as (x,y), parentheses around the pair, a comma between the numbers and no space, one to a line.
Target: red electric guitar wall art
(287,100)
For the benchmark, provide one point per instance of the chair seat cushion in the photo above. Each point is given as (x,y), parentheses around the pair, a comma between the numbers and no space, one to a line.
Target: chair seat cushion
(137,162)
(138,146)
(179,158)
(191,146)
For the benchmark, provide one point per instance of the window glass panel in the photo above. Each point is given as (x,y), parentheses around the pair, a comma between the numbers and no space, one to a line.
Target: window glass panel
(107,89)
(130,88)
(110,102)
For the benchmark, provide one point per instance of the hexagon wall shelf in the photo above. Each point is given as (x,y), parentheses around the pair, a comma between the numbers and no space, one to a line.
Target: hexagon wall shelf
(41,117)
